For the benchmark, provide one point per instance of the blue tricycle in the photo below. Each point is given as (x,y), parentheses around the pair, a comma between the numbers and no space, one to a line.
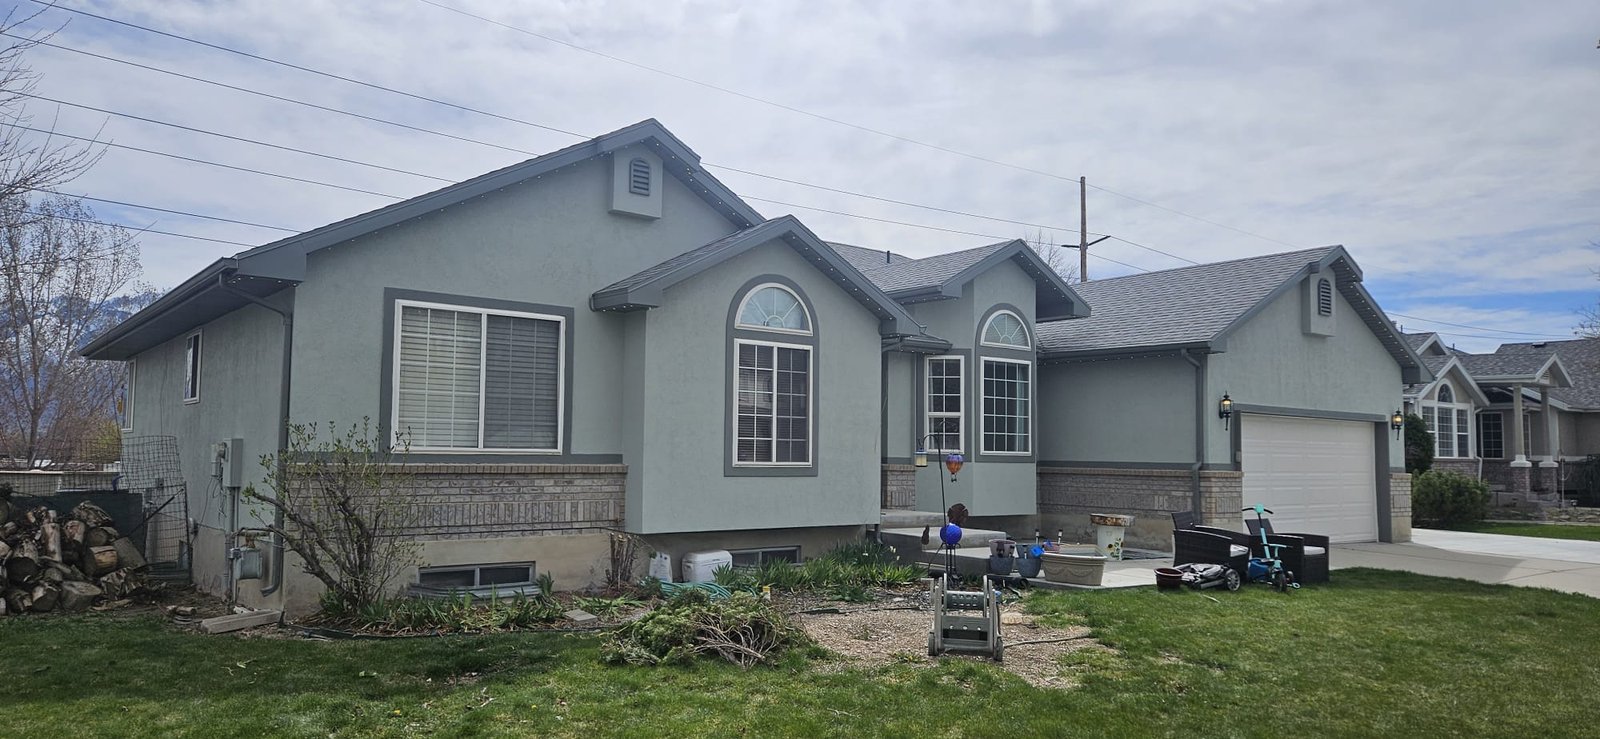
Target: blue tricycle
(1269,568)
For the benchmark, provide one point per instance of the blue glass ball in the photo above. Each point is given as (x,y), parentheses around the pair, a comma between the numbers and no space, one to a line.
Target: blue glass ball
(950,534)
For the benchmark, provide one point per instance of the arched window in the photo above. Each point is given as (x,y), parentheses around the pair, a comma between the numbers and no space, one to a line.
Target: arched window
(639,176)
(1450,421)
(774,308)
(772,380)
(1446,395)
(1007,330)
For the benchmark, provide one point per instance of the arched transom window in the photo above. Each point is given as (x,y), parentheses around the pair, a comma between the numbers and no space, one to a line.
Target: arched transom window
(774,308)
(1006,329)
(1450,422)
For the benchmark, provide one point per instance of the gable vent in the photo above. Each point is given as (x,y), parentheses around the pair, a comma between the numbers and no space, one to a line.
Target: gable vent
(1324,297)
(639,177)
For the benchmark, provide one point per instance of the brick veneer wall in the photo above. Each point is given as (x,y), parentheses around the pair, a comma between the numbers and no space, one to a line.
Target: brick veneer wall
(1468,467)
(1399,507)
(485,501)
(1067,495)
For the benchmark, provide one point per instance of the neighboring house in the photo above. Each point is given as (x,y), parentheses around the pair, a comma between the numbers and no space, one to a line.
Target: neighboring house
(1510,417)
(607,338)
(1131,400)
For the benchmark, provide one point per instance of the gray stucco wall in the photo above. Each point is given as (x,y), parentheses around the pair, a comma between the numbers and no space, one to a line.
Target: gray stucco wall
(1122,411)
(1270,361)
(686,403)
(900,370)
(549,241)
(241,359)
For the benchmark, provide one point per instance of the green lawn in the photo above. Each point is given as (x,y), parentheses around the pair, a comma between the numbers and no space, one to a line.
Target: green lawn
(1376,653)
(1543,530)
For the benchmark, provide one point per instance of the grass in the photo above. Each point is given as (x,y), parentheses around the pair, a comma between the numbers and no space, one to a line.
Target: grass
(1540,530)
(1375,653)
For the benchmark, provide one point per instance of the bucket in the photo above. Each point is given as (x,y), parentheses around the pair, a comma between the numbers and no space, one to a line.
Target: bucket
(1168,578)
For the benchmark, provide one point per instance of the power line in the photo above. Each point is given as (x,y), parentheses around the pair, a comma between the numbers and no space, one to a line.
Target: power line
(1150,248)
(174,212)
(136,229)
(1464,325)
(96,142)
(1548,337)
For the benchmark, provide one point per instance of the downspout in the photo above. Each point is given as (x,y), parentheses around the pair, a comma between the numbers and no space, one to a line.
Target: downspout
(1199,433)
(283,421)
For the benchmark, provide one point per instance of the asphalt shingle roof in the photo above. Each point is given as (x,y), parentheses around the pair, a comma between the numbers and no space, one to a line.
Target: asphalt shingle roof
(696,254)
(864,259)
(1176,306)
(1503,365)
(1580,357)
(1418,339)
(929,272)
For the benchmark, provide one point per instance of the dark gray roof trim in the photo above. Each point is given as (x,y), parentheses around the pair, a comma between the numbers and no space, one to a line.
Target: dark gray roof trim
(645,289)
(1519,368)
(1439,366)
(285,259)
(944,276)
(923,344)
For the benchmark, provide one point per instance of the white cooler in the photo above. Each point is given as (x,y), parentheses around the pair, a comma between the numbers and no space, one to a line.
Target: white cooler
(702,566)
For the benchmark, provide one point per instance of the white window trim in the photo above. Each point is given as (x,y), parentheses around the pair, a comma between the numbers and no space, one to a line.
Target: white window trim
(984,334)
(927,392)
(811,406)
(1472,434)
(127,400)
(199,362)
(1033,422)
(483,349)
(751,293)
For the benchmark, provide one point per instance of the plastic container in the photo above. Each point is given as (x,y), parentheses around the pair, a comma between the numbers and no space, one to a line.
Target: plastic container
(1029,566)
(1168,578)
(702,566)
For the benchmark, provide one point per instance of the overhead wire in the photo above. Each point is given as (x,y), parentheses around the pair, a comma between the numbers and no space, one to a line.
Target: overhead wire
(1464,325)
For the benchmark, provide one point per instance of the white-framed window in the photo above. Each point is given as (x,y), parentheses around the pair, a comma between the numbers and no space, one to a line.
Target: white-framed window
(1006,329)
(772,404)
(945,384)
(1007,406)
(475,379)
(1492,435)
(191,368)
(1450,422)
(773,307)
(125,396)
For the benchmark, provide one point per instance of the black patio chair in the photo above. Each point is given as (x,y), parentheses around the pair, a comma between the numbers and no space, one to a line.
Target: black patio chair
(1208,545)
(1306,555)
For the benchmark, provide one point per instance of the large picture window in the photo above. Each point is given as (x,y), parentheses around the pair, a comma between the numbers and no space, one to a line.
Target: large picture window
(1450,422)
(472,379)
(1007,407)
(945,406)
(773,426)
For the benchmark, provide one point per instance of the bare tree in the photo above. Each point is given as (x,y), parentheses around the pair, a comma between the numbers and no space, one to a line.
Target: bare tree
(1589,318)
(1063,258)
(345,509)
(61,278)
(29,161)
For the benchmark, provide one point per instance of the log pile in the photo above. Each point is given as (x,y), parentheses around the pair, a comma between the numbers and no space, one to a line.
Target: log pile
(51,563)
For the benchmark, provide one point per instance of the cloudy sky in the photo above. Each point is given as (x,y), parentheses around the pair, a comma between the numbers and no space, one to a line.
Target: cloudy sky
(1450,145)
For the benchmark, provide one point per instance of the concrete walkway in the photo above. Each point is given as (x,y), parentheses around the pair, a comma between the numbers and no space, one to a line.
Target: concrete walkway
(1558,564)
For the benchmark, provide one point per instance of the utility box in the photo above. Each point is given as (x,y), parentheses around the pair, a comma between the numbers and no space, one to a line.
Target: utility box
(229,469)
(702,566)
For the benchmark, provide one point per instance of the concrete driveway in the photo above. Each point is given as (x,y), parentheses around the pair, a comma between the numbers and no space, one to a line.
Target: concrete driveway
(1558,564)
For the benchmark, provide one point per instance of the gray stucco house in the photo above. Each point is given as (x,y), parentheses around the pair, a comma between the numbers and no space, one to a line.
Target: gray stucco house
(607,338)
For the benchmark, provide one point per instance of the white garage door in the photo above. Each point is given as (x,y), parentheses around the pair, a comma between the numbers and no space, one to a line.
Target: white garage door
(1316,475)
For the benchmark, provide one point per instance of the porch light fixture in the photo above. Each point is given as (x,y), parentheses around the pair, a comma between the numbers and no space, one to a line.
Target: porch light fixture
(1397,422)
(1225,409)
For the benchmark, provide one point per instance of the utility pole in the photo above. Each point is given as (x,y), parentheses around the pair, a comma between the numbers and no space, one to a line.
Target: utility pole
(1083,229)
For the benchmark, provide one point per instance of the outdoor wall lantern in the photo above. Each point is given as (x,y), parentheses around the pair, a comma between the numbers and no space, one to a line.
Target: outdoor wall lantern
(1225,409)
(1397,422)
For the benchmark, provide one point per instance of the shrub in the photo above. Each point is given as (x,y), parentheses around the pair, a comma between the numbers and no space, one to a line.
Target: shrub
(458,614)
(1448,499)
(743,629)
(845,572)
(1419,445)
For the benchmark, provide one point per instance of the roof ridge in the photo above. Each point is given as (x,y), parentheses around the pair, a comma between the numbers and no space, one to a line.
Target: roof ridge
(915,260)
(1210,264)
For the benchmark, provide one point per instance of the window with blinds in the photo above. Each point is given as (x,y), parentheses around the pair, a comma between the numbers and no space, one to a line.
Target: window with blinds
(773,422)
(469,379)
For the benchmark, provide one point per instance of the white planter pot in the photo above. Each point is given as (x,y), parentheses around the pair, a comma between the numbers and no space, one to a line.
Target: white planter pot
(1074,569)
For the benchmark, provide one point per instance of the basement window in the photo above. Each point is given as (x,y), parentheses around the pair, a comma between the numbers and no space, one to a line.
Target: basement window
(760,557)
(501,578)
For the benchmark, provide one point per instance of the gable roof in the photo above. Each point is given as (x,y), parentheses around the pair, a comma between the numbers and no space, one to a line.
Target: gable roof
(644,289)
(1580,358)
(1440,366)
(273,266)
(1427,343)
(864,259)
(1199,307)
(944,276)
(1539,368)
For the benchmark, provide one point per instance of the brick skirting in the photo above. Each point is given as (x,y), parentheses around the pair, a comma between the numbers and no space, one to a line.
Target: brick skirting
(899,487)
(486,501)
(1067,495)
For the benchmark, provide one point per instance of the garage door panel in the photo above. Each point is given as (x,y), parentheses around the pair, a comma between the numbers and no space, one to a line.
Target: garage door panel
(1316,475)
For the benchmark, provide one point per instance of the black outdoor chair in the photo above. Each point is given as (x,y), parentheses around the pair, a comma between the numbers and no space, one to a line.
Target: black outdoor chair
(1208,545)
(1306,555)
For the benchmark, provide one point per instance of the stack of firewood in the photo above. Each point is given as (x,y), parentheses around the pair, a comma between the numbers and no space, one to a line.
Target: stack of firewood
(48,563)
